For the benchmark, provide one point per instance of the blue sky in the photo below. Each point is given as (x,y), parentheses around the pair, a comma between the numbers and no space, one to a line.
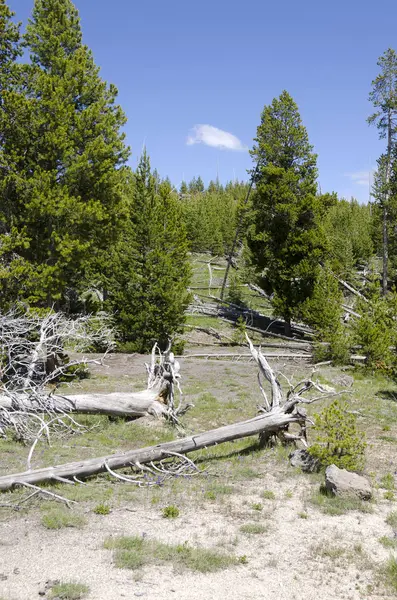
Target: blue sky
(181,64)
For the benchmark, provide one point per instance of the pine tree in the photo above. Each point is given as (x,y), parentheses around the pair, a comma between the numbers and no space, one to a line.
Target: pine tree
(68,182)
(384,98)
(149,291)
(286,241)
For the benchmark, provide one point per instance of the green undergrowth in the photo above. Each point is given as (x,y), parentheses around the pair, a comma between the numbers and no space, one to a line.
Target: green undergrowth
(59,517)
(136,552)
(338,505)
(69,591)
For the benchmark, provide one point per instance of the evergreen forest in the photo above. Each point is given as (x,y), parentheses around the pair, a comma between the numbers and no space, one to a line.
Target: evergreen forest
(81,232)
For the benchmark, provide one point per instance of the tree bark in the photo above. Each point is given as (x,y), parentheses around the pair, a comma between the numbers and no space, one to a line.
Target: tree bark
(139,404)
(270,422)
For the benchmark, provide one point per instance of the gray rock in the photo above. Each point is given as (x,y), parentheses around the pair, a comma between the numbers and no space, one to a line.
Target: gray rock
(343,380)
(343,483)
(305,461)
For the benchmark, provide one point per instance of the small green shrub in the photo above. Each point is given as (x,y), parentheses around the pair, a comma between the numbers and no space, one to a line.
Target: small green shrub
(337,438)
(69,591)
(170,512)
(102,509)
(388,542)
(268,495)
(389,495)
(257,506)
(210,495)
(387,481)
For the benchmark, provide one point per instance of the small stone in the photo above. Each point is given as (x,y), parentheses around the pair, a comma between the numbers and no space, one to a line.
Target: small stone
(42,592)
(344,483)
(16,571)
(304,460)
(3,577)
(343,380)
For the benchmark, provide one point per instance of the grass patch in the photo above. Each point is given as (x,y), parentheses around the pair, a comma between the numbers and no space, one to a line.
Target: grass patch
(389,573)
(338,505)
(388,542)
(252,528)
(170,512)
(268,495)
(59,517)
(387,482)
(69,591)
(257,506)
(135,552)
(102,509)
(391,519)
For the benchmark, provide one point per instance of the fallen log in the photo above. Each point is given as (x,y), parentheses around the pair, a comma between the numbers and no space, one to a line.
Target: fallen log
(270,423)
(138,404)
(278,414)
(23,410)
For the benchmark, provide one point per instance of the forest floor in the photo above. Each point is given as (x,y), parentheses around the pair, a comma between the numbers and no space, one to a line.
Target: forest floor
(270,532)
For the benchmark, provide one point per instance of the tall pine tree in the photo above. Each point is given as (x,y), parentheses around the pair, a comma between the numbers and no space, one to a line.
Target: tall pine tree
(384,98)
(69,181)
(285,240)
(148,293)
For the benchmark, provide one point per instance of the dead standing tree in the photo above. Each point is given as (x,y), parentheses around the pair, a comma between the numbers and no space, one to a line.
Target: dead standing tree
(277,414)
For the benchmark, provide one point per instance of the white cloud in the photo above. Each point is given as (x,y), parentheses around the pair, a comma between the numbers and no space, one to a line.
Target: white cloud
(362,177)
(214,137)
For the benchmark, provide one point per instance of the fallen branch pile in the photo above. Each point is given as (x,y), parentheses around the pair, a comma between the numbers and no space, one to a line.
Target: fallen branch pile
(276,416)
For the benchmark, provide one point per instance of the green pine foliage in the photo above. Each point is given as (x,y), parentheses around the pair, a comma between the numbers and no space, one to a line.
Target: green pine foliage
(286,239)
(348,227)
(337,438)
(148,291)
(376,331)
(211,216)
(62,203)
(323,311)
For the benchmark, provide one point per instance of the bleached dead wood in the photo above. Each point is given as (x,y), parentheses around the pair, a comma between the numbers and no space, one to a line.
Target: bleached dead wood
(277,414)
(239,355)
(350,288)
(31,411)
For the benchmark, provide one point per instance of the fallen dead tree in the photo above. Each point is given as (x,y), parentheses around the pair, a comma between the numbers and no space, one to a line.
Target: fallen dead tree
(277,414)
(33,359)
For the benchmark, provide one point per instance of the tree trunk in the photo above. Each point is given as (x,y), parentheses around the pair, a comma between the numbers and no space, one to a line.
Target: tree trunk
(385,251)
(287,328)
(270,422)
(139,404)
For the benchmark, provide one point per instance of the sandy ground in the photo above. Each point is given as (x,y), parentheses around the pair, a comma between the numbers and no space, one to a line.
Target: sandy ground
(284,563)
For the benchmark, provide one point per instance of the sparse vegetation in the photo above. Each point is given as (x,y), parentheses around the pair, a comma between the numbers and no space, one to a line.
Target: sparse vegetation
(388,542)
(59,517)
(102,509)
(69,591)
(135,552)
(338,505)
(253,528)
(170,512)
(389,573)
(268,495)
(391,519)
